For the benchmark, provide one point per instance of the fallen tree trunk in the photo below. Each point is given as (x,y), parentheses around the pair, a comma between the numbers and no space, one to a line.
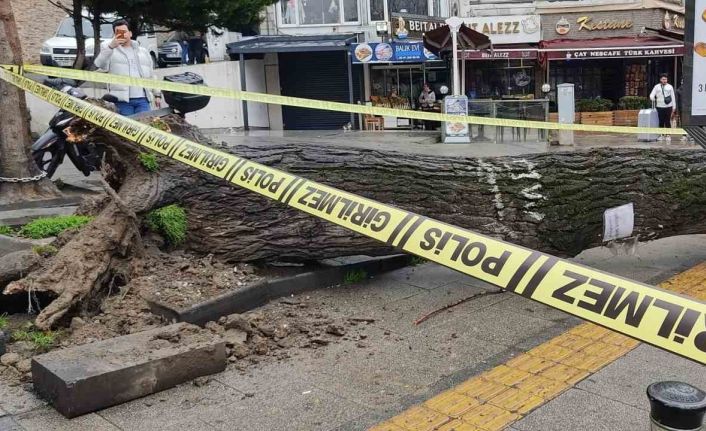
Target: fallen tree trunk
(552,202)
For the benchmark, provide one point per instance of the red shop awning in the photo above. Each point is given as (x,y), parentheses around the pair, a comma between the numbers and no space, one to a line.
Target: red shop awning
(503,52)
(616,47)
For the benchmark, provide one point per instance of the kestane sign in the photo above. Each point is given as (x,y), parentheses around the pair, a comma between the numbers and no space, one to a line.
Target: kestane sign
(694,89)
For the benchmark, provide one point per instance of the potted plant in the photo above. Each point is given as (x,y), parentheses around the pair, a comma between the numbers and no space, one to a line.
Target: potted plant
(629,109)
(595,111)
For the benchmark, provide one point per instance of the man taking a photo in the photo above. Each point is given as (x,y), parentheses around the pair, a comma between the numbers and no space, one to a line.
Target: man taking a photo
(124,56)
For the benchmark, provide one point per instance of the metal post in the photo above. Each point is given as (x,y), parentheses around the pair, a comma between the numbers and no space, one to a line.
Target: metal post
(463,72)
(350,84)
(676,406)
(243,87)
(456,86)
(455,24)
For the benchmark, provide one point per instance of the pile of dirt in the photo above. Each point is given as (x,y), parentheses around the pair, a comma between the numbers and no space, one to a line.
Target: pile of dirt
(180,280)
(281,328)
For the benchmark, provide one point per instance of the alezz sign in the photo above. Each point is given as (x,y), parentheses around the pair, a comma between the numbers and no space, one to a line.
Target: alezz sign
(507,29)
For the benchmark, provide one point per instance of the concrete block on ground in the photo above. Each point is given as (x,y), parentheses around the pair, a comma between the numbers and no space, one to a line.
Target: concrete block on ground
(90,377)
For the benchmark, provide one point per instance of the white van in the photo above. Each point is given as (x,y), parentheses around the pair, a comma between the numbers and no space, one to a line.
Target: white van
(61,50)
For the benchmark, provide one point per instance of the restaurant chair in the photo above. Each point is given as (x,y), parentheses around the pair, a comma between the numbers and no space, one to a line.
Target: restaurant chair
(373,122)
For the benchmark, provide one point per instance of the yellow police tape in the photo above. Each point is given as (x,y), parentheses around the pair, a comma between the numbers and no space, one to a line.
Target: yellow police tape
(667,320)
(105,78)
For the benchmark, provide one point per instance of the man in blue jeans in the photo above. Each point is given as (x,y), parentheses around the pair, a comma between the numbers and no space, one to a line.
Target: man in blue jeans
(124,56)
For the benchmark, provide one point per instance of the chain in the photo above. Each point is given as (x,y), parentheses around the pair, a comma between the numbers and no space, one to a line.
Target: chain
(23,180)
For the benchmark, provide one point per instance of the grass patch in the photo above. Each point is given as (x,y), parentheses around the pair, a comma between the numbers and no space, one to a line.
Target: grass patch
(416,260)
(149,161)
(355,276)
(169,221)
(7,230)
(45,250)
(47,227)
(41,340)
(160,124)
(3,321)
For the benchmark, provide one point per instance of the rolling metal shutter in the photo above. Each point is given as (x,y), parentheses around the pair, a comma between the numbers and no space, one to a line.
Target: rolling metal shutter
(316,75)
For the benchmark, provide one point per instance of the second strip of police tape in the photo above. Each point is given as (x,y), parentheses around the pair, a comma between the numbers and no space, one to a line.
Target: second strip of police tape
(664,319)
(106,78)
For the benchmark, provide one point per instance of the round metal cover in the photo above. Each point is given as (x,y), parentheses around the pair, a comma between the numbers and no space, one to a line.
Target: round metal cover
(677,405)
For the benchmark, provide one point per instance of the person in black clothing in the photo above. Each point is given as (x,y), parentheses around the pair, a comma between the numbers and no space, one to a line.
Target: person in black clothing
(196,53)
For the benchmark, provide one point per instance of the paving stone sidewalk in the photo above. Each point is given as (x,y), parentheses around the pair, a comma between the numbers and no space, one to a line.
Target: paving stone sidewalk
(355,384)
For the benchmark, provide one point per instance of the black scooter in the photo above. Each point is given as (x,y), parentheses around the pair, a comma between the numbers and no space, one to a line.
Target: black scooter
(50,149)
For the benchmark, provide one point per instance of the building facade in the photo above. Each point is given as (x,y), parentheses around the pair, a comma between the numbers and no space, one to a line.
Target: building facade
(37,21)
(607,48)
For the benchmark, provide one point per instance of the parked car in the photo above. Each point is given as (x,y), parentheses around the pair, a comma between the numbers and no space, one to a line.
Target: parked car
(61,50)
(170,52)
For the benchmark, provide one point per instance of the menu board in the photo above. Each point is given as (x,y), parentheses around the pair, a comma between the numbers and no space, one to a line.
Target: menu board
(456,105)
(698,85)
(394,52)
(694,89)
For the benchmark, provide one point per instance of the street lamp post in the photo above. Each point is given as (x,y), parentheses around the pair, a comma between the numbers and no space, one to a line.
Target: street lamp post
(454,24)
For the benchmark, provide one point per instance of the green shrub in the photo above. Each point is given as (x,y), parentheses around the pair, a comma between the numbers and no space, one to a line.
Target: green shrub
(3,321)
(6,230)
(593,105)
(52,226)
(149,161)
(169,221)
(355,276)
(634,103)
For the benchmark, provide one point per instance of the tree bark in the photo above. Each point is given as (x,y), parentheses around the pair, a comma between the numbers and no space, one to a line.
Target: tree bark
(15,141)
(552,202)
(77,16)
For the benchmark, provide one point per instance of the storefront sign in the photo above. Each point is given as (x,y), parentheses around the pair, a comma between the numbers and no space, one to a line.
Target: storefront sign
(455,132)
(587,23)
(500,29)
(582,54)
(563,26)
(673,21)
(412,26)
(577,25)
(696,43)
(395,52)
(507,29)
(501,54)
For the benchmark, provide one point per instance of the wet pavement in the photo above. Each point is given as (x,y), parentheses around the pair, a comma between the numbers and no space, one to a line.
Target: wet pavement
(422,142)
(356,384)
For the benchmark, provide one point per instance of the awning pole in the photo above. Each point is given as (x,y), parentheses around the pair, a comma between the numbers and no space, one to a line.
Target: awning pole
(455,24)
(463,72)
(350,83)
(243,87)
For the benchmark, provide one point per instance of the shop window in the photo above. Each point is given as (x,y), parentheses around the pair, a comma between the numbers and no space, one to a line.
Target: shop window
(415,7)
(350,10)
(318,12)
(436,7)
(500,79)
(377,10)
